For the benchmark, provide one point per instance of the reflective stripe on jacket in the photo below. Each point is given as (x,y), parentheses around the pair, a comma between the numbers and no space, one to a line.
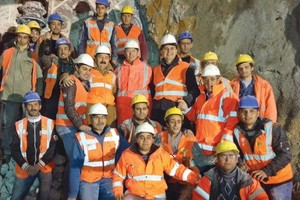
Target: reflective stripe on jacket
(80,105)
(215,118)
(95,37)
(6,63)
(262,154)
(248,189)
(47,126)
(264,94)
(99,161)
(50,81)
(146,180)
(101,88)
(122,38)
(173,86)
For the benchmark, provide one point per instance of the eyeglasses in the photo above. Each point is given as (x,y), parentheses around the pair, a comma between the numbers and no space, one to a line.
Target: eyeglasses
(229,156)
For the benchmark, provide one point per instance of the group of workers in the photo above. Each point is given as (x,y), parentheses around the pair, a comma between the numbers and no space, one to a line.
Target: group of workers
(130,131)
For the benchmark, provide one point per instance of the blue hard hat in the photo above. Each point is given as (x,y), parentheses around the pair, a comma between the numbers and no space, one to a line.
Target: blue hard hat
(61,41)
(248,102)
(55,16)
(185,35)
(31,96)
(103,2)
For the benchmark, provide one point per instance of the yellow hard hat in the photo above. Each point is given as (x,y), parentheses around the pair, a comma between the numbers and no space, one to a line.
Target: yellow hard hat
(139,98)
(33,24)
(23,29)
(244,58)
(127,9)
(210,56)
(173,111)
(226,145)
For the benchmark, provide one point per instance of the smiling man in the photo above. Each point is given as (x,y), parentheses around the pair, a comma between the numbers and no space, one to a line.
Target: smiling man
(265,150)
(226,180)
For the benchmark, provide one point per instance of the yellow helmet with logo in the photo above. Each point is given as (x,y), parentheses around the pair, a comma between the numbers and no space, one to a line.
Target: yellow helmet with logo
(139,98)
(226,145)
(244,58)
(173,111)
(210,56)
(33,24)
(23,29)
(127,9)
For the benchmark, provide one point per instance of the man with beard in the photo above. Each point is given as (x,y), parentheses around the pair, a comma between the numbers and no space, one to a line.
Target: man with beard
(103,84)
(35,35)
(33,150)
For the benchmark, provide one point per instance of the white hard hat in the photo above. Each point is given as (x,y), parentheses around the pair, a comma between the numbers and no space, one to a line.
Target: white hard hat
(144,128)
(132,44)
(98,109)
(211,70)
(168,39)
(103,49)
(85,59)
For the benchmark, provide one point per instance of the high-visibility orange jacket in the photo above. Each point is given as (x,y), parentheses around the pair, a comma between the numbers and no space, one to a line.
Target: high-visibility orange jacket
(101,88)
(263,153)
(80,105)
(99,161)
(171,87)
(194,64)
(132,79)
(248,187)
(95,37)
(127,128)
(264,94)
(122,38)
(46,135)
(146,180)
(6,63)
(50,81)
(215,118)
(184,149)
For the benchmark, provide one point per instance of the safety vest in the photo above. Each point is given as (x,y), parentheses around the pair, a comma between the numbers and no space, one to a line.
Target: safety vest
(50,80)
(99,161)
(262,154)
(47,126)
(6,63)
(215,118)
(173,86)
(80,105)
(195,65)
(101,88)
(95,37)
(122,38)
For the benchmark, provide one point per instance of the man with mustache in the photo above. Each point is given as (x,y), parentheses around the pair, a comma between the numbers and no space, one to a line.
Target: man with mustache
(103,84)
(33,150)
(94,156)
(214,114)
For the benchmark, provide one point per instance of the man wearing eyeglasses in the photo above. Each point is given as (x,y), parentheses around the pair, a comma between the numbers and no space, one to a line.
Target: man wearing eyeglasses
(226,180)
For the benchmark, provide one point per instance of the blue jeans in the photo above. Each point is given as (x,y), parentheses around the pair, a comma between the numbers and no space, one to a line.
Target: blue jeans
(22,186)
(101,189)
(67,134)
(11,112)
(279,192)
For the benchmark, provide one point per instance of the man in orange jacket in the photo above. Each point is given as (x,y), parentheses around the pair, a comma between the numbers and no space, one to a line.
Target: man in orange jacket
(143,165)
(226,180)
(214,114)
(179,145)
(33,150)
(103,84)
(128,31)
(251,84)
(133,77)
(265,150)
